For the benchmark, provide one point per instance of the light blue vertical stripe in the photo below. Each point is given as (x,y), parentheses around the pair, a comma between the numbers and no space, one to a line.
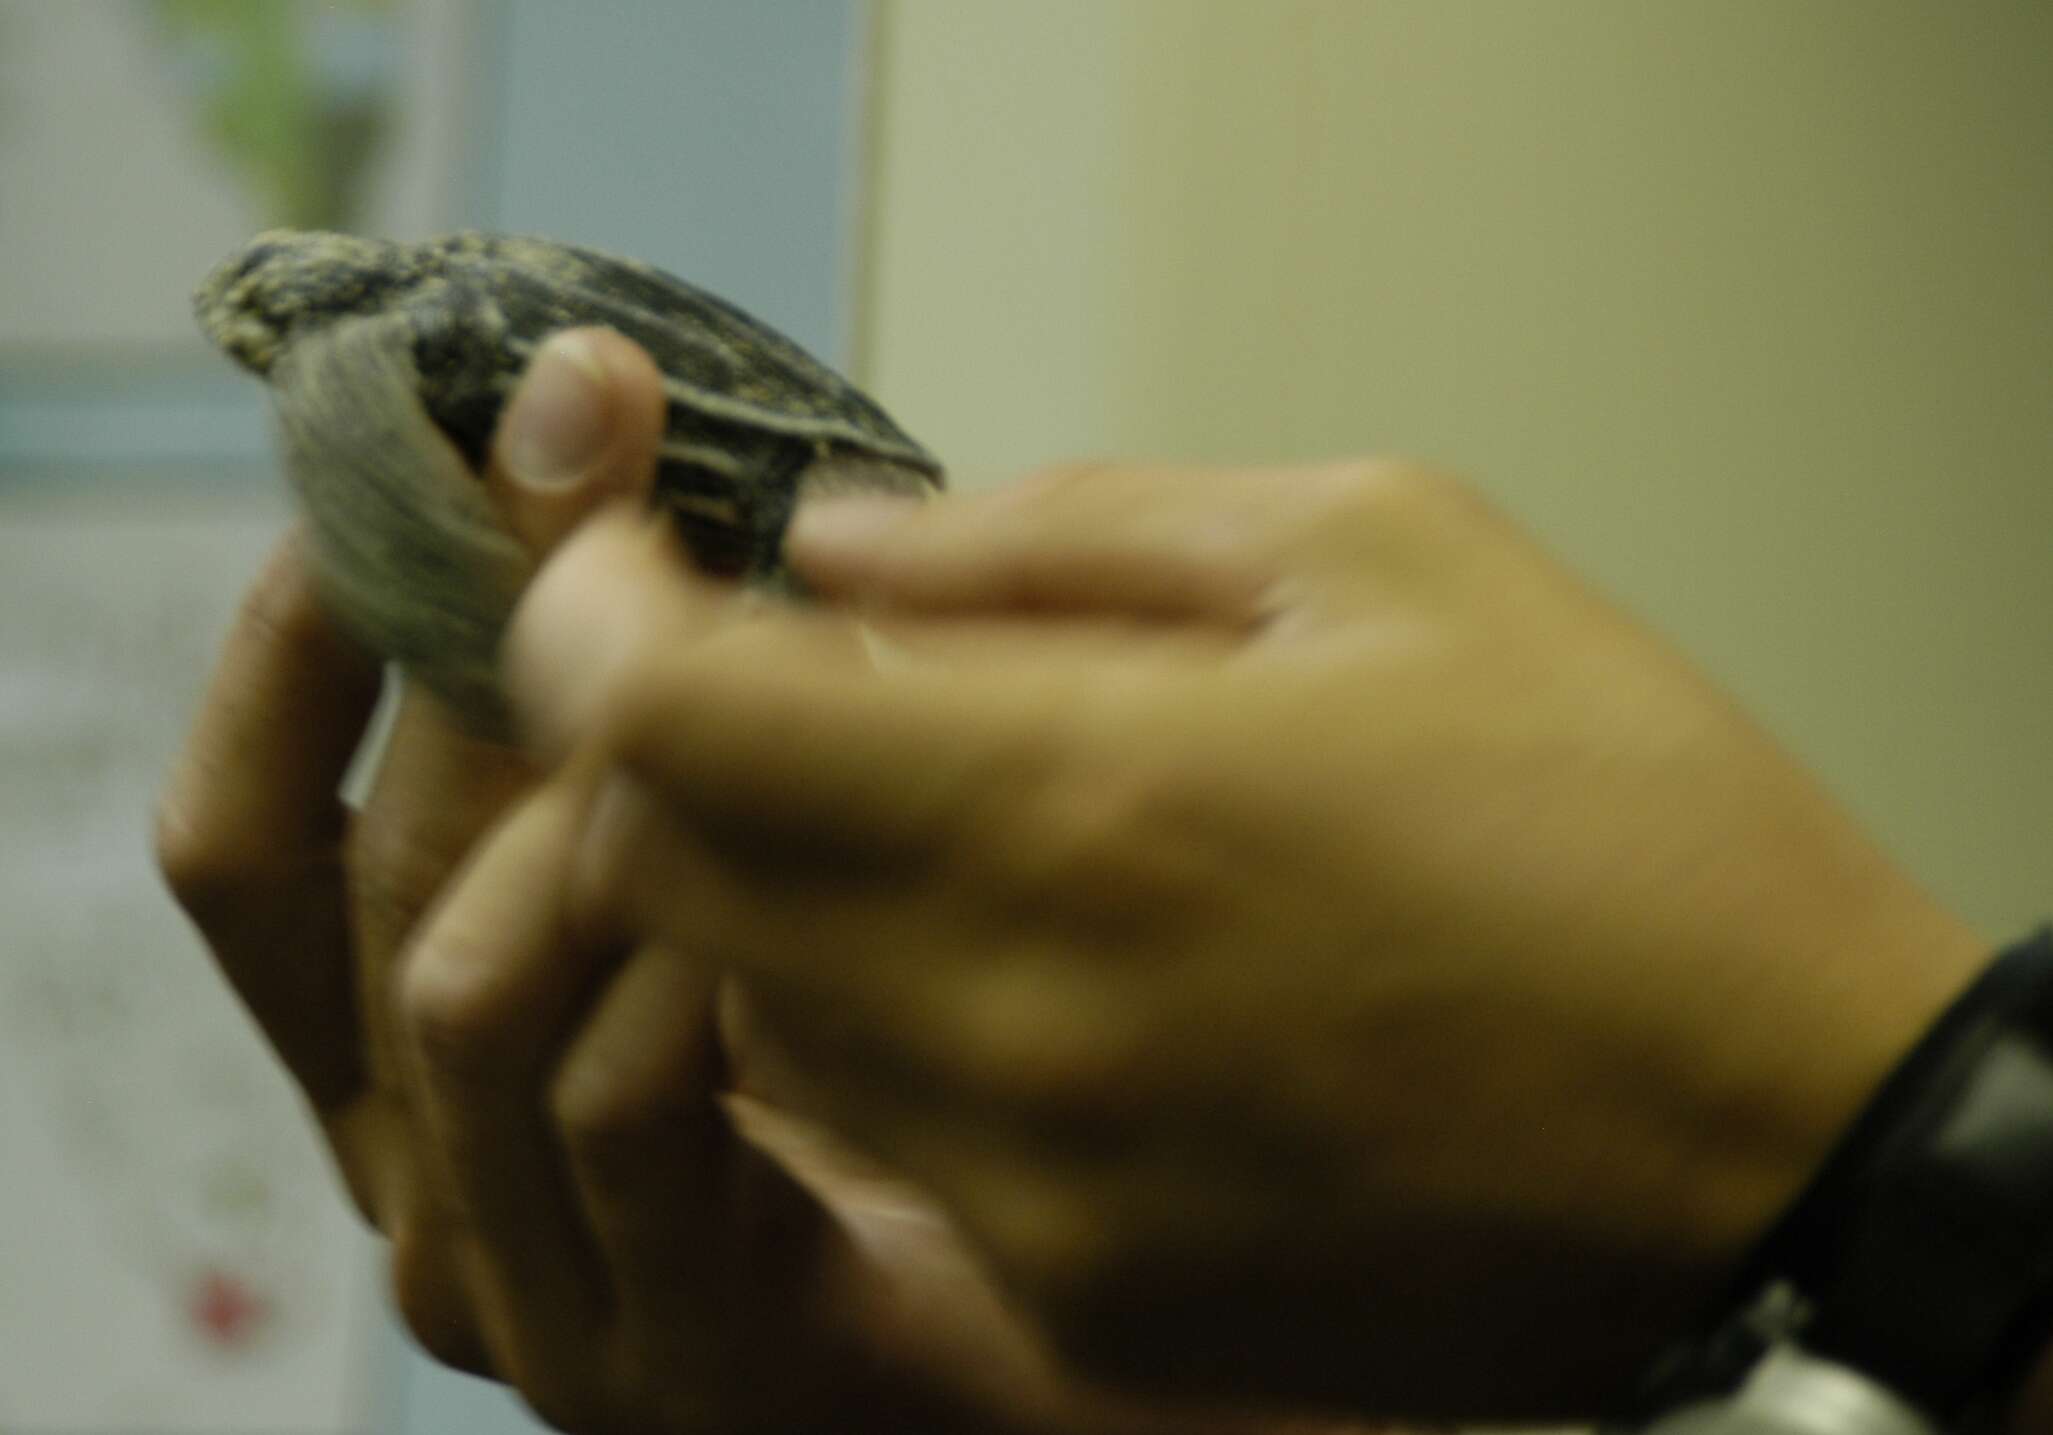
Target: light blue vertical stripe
(711,137)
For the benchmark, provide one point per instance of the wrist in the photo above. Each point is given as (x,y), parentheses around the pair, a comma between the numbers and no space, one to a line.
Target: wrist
(1918,1262)
(1738,1126)
(1793,1070)
(1845,1014)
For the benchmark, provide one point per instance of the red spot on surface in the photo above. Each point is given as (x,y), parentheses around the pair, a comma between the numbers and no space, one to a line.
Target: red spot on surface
(225,1310)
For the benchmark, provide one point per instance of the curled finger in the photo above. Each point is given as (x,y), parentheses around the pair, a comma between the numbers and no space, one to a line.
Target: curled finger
(492,989)
(250,826)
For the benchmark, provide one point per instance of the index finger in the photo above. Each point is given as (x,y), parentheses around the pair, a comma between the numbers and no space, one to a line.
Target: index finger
(249,826)
(1170,544)
(773,716)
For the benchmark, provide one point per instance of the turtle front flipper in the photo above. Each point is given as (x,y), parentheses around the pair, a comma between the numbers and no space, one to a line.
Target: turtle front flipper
(408,547)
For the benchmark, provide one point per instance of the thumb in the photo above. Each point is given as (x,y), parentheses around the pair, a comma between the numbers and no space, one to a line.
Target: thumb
(584,426)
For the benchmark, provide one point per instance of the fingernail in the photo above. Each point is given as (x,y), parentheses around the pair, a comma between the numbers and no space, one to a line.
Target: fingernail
(556,426)
(836,524)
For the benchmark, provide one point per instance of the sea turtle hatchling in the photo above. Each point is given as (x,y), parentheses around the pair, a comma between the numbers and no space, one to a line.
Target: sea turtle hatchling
(389,364)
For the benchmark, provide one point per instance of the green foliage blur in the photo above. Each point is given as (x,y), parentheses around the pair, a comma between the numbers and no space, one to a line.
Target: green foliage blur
(300,135)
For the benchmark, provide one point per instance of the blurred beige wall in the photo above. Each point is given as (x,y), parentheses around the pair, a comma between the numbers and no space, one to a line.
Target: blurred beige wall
(1745,305)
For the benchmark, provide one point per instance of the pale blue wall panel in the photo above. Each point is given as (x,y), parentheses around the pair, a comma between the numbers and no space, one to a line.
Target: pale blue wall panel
(709,137)
(712,137)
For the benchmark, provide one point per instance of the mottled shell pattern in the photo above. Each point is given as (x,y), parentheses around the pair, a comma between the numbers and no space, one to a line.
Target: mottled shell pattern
(389,364)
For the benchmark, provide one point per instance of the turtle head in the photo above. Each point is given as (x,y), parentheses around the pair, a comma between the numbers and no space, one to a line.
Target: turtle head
(286,282)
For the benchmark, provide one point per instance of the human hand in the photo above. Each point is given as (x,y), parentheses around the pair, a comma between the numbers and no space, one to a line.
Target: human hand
(652,1248)
(308,905)
(1327,951)
(541,1117)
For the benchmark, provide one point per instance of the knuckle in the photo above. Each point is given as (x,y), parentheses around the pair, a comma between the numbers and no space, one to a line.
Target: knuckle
(430,1297)
(1064,480)
(456,1015)
(281,605)
(605,1125)
(1101,843)
(1049,1038)
(199,868)
(213,873)
(1386,485)
(1051,829)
